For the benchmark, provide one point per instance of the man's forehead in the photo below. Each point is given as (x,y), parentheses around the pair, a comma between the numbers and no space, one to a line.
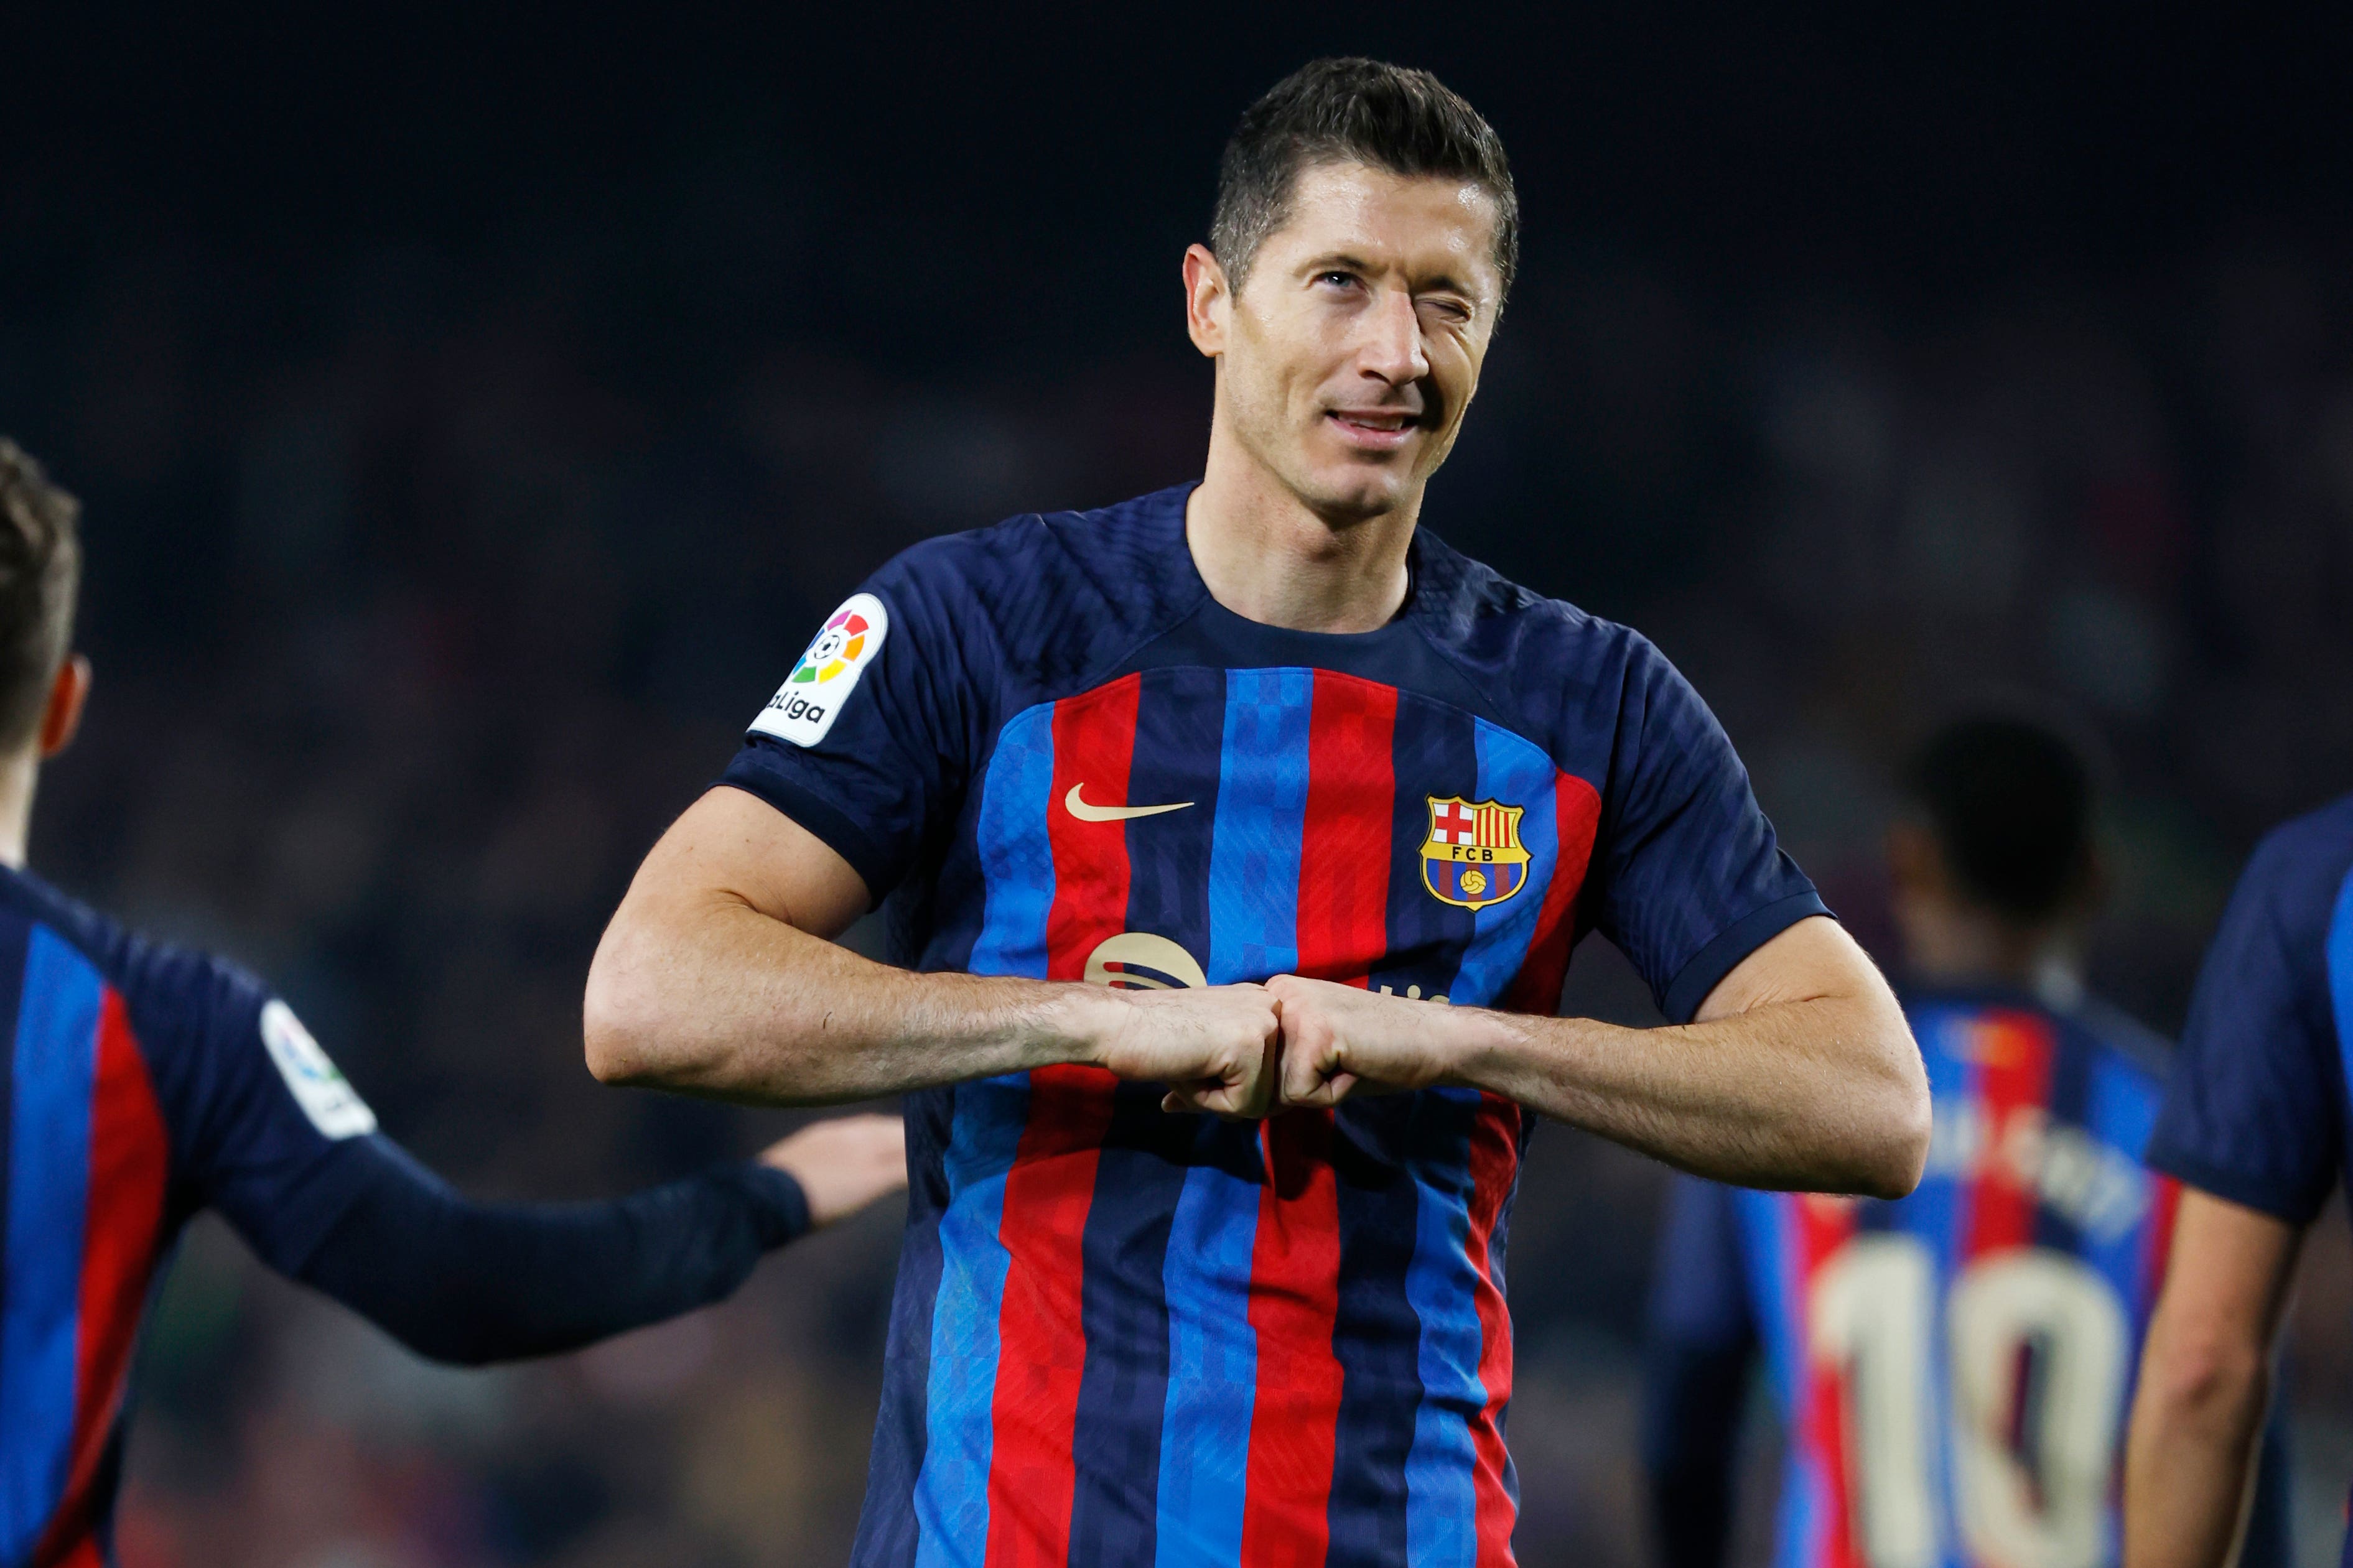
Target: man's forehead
(1359,203)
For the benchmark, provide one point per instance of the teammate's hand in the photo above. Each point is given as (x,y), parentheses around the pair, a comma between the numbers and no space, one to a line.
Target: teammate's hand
(1215,1048)
(1338,1040)
(844,1163)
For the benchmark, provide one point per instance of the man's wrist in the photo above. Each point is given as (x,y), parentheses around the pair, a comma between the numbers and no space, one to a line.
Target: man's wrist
(1079,1021)
(1477,1046)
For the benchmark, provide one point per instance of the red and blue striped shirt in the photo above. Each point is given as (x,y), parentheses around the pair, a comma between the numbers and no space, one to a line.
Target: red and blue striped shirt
(1952,1370)
(1125,1337)
(136,1085)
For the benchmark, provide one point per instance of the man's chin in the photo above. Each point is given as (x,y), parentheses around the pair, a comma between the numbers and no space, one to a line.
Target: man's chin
(1358,496)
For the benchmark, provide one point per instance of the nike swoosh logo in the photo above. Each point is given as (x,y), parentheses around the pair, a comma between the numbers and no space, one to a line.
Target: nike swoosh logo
(1078,807)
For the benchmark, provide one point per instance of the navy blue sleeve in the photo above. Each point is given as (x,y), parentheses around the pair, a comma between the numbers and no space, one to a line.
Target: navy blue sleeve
(864,744)
(1691,880)
(472,1283)
(1697,1356)
(259,1118)
(268,1131)
(2254,1110)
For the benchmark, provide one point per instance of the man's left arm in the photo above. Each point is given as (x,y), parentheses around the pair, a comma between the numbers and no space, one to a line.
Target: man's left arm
(1798,1070)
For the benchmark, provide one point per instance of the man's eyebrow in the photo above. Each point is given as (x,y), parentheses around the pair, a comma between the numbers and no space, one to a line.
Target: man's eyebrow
(1336,260)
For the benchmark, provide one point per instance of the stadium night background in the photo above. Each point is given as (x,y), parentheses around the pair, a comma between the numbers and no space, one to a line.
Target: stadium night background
(476,415)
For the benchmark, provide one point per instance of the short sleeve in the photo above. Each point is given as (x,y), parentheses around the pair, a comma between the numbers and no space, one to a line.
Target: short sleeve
(263,1124)
(1693,879)
(2254,1110)
(863,743)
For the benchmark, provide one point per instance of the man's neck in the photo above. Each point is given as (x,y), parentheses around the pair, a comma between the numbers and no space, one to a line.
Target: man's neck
(1957,948)
(1269,557)
(17,774)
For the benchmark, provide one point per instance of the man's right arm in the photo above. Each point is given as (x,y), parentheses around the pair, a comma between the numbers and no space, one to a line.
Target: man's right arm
(718,976)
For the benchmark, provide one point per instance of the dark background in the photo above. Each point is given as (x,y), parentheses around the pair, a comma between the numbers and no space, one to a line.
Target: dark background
(476,409)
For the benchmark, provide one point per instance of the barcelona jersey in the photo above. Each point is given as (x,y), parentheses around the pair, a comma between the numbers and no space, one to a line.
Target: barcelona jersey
(2258,1110)
(1126,1337)
(1952,1369)
(138,1085)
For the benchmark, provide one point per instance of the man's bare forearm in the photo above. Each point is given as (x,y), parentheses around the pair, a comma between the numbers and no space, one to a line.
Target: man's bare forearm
(2205,1379)
(2191,1455)
(1800,1072)
(1820,1095)
(705,995)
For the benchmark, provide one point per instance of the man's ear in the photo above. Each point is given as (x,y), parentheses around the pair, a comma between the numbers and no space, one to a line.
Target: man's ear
(1206,300)
(62,716)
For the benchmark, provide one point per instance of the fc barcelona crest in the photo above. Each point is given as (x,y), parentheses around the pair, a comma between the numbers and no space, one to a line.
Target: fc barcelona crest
(1472,857)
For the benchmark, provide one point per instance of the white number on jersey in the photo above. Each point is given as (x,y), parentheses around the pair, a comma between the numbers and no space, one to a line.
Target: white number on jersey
(1871,1310)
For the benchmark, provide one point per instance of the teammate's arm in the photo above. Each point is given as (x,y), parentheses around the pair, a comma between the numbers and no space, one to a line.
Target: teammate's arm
(268,1133)
(1798,1072)
(717,976)
(2205,1378)
(474,1283)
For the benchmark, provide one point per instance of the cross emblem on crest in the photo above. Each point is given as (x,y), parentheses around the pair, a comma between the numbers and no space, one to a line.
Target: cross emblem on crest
(1452,823)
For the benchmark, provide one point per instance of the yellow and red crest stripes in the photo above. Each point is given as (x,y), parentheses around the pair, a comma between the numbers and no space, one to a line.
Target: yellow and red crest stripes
(1474,856)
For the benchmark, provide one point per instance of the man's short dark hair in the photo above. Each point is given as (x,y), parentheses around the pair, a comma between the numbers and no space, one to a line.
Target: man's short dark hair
(2011,804)
(1353,111)
(41,570)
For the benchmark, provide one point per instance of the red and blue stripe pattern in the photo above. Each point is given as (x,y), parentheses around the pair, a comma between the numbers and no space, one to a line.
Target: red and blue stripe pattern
(2007,1080)
(86,1162)
(1166,1341)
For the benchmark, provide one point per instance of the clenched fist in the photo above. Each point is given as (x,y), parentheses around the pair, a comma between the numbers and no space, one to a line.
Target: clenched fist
(1338,1040)
(1215,1048)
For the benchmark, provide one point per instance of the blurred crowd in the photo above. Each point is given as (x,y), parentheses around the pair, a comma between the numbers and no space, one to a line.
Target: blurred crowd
(422,597)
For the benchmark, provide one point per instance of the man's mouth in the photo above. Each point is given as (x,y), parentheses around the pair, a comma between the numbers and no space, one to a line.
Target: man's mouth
(1375,429)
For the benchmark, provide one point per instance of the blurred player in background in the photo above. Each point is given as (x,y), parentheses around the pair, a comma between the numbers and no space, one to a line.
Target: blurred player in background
(1950,1370)
(1320,807)
(142,1084)
(2254,1127)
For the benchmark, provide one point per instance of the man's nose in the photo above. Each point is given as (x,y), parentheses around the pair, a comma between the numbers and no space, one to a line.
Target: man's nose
(1391,346)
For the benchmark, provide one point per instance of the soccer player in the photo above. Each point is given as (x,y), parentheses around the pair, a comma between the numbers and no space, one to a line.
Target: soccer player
(1950,1370)
(1239,834)
(141,1084)
(2254,1128)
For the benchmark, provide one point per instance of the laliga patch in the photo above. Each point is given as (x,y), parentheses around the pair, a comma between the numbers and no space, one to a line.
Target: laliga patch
(806,704)
(319,1087)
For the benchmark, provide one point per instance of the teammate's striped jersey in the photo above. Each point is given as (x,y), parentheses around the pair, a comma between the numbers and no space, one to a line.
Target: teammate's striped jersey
(1952,1369)
(1124,1337)
(137,1085)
